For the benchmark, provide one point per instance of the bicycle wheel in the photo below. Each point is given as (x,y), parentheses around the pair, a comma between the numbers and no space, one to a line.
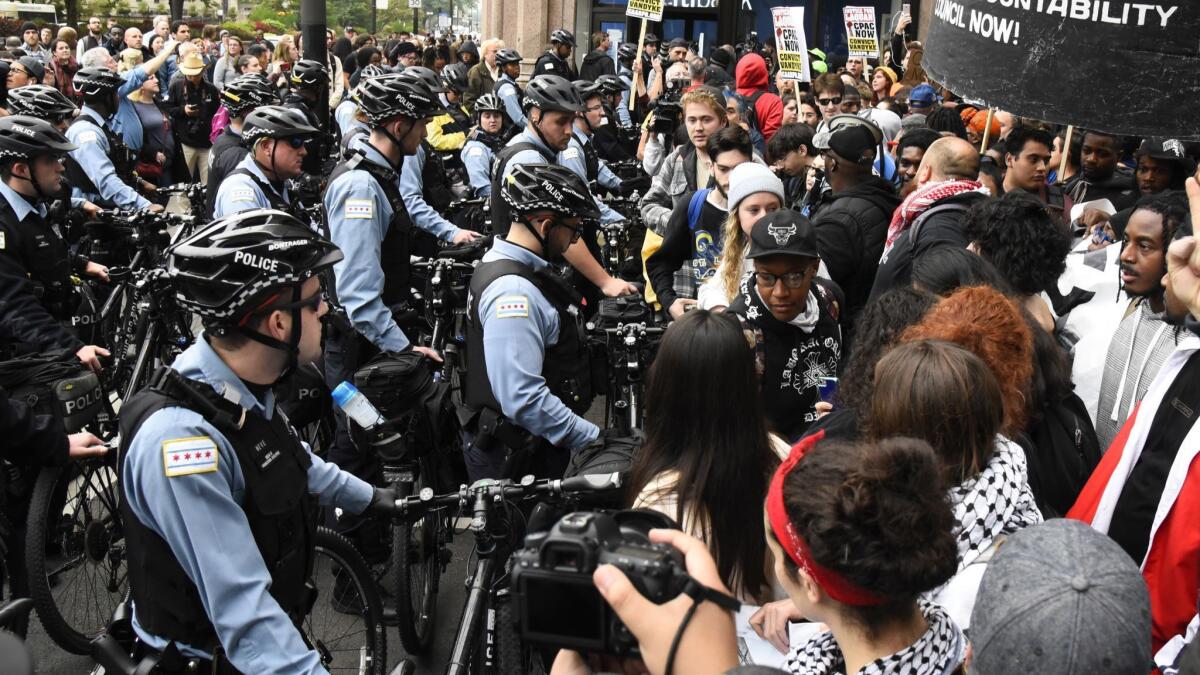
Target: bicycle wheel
(416,567)
(13,582)
(345,625)
(511,657)
(75,551)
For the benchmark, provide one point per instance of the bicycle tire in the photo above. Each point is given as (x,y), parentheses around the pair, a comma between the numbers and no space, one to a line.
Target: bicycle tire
(513,658)
(417,547)
(13,583)
(90,552)
(363,651)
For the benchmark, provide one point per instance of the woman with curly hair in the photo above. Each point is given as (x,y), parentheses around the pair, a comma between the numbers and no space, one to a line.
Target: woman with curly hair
(1017,235)
(859,532)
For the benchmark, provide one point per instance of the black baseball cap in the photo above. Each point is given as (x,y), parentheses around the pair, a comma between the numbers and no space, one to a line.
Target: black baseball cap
(651,39)
(850,137)
(679,42)
(783,232)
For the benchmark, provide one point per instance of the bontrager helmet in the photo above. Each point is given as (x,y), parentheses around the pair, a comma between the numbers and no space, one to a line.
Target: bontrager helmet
(586,89)
(454,77)
(390,96)
(506,56)
(41,101)
(371,70)
(307,73)
(530,188)
(626,51)
(489,103)
(611,84)
(246,93)
(424,76)
(562,36)
(231,266)
(275,121)
(23,137)
(551,92)
(96,82)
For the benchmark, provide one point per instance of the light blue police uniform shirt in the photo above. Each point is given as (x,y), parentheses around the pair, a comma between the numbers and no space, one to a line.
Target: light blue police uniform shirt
(519,323)
(200,517)
(358,213)
(92,152)
(573,159)
(345,114)
(623,112)
(507,91)
(477,159)
(239,193)
(412,191)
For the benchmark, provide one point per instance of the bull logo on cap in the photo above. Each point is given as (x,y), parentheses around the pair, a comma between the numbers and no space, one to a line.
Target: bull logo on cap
(781,234)
(1173,146)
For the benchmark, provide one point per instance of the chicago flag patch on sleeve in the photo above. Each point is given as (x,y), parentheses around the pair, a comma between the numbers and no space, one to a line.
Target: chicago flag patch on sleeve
(359,208)
(512,307)
(186,456)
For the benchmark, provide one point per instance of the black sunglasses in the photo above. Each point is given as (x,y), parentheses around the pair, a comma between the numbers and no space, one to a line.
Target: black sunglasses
(829,101)
(297,142)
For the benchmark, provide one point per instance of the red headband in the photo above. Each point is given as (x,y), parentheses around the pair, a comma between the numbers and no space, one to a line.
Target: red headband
(838,587)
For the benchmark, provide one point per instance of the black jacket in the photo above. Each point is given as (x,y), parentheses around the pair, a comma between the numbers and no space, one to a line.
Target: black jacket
(1118,188)
(943,227)
(192,131)
(851,228)
(550,63)
(596,63)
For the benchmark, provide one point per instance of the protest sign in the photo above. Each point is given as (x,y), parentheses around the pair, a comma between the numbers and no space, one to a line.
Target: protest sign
(861,37)
(1110,65)
(791,43)
(650,10)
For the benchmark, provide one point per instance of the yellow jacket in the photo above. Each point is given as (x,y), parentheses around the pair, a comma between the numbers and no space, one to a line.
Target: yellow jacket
(442,141)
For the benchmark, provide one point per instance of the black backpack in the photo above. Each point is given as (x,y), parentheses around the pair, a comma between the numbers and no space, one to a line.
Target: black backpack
(1062,450)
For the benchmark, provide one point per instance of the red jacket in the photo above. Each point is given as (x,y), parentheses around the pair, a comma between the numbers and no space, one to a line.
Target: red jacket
(752,78)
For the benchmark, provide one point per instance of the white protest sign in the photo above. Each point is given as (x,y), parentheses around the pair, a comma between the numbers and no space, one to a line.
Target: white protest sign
(650,10)
(861,37)
(791,43)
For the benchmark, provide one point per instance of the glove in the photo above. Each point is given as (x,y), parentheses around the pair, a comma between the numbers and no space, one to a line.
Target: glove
(383,502)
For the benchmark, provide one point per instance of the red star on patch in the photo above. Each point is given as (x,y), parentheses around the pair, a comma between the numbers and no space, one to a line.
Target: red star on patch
(208,454)
(187,456)
(174,458)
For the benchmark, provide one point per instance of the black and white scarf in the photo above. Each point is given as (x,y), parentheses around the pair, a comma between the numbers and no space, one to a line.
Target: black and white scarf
(996,502)
(939,650)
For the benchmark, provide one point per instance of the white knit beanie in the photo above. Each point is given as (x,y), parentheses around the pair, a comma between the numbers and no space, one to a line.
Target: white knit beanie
(748,178)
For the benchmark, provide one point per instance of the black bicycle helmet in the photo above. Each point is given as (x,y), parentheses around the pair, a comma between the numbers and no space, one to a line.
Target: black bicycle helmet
(247,93)
(25,137)
(611,84)
(307,73)
(41,101)
(96,82)
(506,56)
(551,92)
(529,188)
(390,96)
(626,51)
(275,121)
(562,36)
(233,265)
(587,89)
(424,76)
(454,77)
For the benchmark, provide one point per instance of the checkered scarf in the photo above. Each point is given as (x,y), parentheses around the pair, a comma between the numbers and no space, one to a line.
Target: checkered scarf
(998,501)
(920,200)
(939,650)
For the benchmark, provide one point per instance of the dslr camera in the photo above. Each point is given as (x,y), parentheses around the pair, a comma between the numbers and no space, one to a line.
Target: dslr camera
(557,604)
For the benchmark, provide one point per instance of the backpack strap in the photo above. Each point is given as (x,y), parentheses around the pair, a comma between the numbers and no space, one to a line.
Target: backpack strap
(940,208)
(695,206)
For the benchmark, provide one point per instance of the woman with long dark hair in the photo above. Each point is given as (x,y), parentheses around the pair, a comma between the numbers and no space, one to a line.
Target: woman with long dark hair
(63,65)
(708,456)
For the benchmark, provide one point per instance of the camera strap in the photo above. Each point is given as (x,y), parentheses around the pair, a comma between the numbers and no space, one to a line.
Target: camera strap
(698,592)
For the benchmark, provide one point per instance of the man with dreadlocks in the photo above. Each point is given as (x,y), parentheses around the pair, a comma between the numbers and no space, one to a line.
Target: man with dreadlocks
(1144,339)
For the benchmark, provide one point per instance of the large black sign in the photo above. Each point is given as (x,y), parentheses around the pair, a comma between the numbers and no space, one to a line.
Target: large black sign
(1111,65)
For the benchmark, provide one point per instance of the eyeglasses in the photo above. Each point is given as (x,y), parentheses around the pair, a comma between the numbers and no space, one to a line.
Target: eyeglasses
(312,302)
(595,108)
(830,101)
(14,68)
(296,142)
(792,280)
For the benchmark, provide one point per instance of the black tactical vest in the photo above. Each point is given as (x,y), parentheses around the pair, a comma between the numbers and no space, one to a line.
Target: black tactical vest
(394,250)
(434,181)
(501,213)
(281,513)
(43,252)
(591,160)
(566,367)
(122,159)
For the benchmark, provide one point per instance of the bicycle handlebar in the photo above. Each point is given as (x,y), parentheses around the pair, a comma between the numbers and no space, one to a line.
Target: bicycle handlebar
(413,508)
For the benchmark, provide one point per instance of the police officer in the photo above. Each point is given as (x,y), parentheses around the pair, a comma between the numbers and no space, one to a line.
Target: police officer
(508,63)
(346,114)
(448,132)
(424,185)
(218,491)
(551,104)
(278,139)
(580,155)
(363,204)
(36,292)
(307,80)
(100,163)
(626,53)
(485,140)
(529,382)
(556,60)
(240,97)
(47,103)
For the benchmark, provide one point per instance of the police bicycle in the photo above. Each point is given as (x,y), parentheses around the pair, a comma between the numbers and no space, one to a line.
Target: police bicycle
(194,193)
(486,641)
(621,242)
(629,348)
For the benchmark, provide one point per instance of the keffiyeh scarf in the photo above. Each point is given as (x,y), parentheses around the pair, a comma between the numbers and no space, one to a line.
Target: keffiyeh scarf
(998,501)
(939,650)
(919,202)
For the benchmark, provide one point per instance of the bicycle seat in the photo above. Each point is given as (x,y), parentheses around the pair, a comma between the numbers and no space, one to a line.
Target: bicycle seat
(467,253)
